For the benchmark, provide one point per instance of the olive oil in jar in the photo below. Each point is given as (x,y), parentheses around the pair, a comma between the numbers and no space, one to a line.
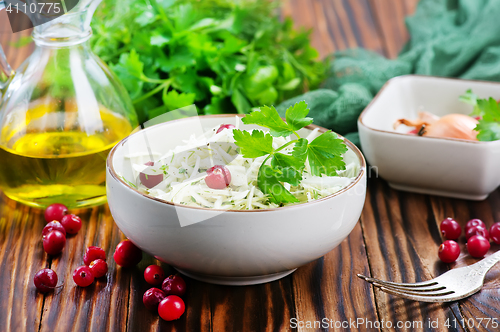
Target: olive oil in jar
(68,167)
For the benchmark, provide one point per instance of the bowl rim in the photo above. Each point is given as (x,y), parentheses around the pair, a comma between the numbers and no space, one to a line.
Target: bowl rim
(409,76)
(354,148)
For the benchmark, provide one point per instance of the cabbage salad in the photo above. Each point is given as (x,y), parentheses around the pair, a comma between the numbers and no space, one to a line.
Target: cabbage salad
(180,175)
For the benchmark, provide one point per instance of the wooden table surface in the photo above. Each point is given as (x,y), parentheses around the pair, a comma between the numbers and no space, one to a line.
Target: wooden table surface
(396,238)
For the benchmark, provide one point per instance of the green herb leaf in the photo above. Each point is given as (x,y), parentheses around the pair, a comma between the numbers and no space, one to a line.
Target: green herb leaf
(281,160)
(130,70)
(173,100)
(255,144)
(471,98)
(296,116)
(289,175)
(268,117)
(269,183)
(488,110)
(244,48)
(300,150)
(325,154)
(489,125)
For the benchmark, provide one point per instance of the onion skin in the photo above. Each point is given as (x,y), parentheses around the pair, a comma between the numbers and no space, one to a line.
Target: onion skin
(449,126)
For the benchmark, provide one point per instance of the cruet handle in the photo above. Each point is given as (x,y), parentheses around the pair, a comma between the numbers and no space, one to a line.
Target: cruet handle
(4,65)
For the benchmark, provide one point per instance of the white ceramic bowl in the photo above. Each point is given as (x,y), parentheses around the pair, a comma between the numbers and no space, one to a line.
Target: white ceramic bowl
(227,247)
(436,166)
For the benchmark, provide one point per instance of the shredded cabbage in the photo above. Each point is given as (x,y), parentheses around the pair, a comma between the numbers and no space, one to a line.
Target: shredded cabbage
(184,170)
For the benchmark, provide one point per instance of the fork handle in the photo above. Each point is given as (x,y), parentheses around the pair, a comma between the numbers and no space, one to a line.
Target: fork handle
(485,264)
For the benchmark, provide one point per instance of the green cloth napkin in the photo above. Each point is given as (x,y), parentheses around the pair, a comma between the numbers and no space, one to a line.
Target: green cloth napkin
(453,38)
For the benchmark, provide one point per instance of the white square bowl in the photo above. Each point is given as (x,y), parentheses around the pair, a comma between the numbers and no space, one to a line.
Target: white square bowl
(437,166)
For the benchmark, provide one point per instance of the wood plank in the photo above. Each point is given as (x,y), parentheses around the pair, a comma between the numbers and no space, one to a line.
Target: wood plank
(265,307)
(363,25)
(21,256)
(337,24)
(328,288)
(103,305)
(480,305)
(402,239)
(389,16)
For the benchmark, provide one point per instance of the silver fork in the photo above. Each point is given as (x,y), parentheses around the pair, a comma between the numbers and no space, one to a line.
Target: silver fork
(453,285)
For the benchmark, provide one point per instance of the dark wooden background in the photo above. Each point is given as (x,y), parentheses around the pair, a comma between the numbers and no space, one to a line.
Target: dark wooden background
(397,238)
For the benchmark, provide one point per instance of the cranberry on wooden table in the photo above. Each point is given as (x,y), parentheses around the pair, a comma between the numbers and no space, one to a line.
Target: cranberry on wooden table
(92,253)
(477,230)
(174,285)
(82,276)
(495,232)
(449,251)
(478,246)
(171,308)
(72,223)
(154,275)
(152,298)
(99,268)
(53,226)
(45,280)
(127,254)
(450,229)
(53,242)
(474,222)
(55,211)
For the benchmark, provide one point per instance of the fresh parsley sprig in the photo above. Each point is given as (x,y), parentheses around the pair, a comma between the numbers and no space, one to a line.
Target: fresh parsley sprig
(488,111)
(324,153)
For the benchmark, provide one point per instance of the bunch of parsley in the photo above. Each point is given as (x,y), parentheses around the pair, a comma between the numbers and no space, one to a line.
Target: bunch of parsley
(226,56)
(488,112)
(324,153)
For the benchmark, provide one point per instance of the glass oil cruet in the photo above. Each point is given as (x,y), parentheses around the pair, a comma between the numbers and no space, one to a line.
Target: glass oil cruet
(60,114)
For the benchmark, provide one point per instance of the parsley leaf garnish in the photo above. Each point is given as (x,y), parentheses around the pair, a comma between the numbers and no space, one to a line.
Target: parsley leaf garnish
(255,144)
(488,111)
(489,124)
(324,152)
(268,117)
(296,116)
(271,185)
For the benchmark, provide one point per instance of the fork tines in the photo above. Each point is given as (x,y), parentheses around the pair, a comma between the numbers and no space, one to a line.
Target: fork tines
(429,291)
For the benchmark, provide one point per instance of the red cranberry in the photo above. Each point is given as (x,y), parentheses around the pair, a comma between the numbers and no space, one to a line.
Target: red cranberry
(154,275)
(72,223)
(449,251)
(127,254)
(152,298)
(225,126)
(478,246)
(53,226)
(45,280)
(174,285)
(83,277)
(99,268)
(150,180)
(53,242)
(450,229)
(218,177)
(474,222)
(495,232)
(171,308)
(92,253)
(477,230)
(55,212)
